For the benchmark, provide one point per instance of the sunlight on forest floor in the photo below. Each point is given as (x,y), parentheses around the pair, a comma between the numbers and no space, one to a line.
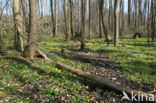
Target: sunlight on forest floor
(21,82)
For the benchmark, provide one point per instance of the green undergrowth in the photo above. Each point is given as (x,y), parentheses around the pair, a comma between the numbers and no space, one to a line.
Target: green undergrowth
(137,57)
(47,82)
(20,82)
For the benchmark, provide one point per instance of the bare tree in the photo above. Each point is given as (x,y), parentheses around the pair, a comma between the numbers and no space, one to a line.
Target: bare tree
(101,4)
(55,21)
(152,20)
(31,46)
(54,16)
(89,18)
(148,24)
(71,18)
(83,24)
(116,22)
(18,22)
(129,12)
(65,20)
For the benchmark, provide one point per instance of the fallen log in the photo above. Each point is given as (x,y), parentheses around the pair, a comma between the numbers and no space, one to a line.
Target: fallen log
(40,53)
(104,83)
(101,82)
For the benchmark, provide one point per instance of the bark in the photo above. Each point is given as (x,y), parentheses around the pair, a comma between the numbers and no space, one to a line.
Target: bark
(41,1)
(55,21)
(145,12)
(100,30)
(129,12)
(140,14)
(18,23)
(110,15)
(7,12)
(52,15)
(152,21)
(83,24)
(71,18)
(148,24)
(65,20)
(78,16)
(25,15)
(136,10)
(101,4)
(89,19)
(116,22)
(121,17)
(38,9)
(31,46)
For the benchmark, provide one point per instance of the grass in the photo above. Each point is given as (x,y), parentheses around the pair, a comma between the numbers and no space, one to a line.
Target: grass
(137,58)
(20,82)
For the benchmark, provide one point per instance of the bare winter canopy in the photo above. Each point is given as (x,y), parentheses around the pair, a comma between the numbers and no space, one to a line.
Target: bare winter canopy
(78,20)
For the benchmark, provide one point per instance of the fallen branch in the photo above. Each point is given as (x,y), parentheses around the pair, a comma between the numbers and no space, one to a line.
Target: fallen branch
(102,82)
(42,54)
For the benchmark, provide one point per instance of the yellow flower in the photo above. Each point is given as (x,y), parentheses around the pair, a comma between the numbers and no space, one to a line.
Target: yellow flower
(16,85)
(0,92)
(1,88)
(91,99)
(40,77)
(26,81)
(6,100)
(27,98)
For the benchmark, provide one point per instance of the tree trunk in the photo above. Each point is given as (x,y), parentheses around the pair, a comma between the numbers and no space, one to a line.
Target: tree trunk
(110,15)
(116,22)
(100,30)
(145,12)
(152,21)
(31,46)
(83,16)
(136,9)
(121,17)
(129,12)
(25,15)
(78,16)
(71,18)
(140,15)
(148,24)
(89,19)
(65,20)
(55,21)
(41,1)
(18,23)
(101,4)
(53,17)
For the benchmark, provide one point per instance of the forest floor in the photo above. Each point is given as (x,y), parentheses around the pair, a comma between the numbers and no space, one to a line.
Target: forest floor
(132,64)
